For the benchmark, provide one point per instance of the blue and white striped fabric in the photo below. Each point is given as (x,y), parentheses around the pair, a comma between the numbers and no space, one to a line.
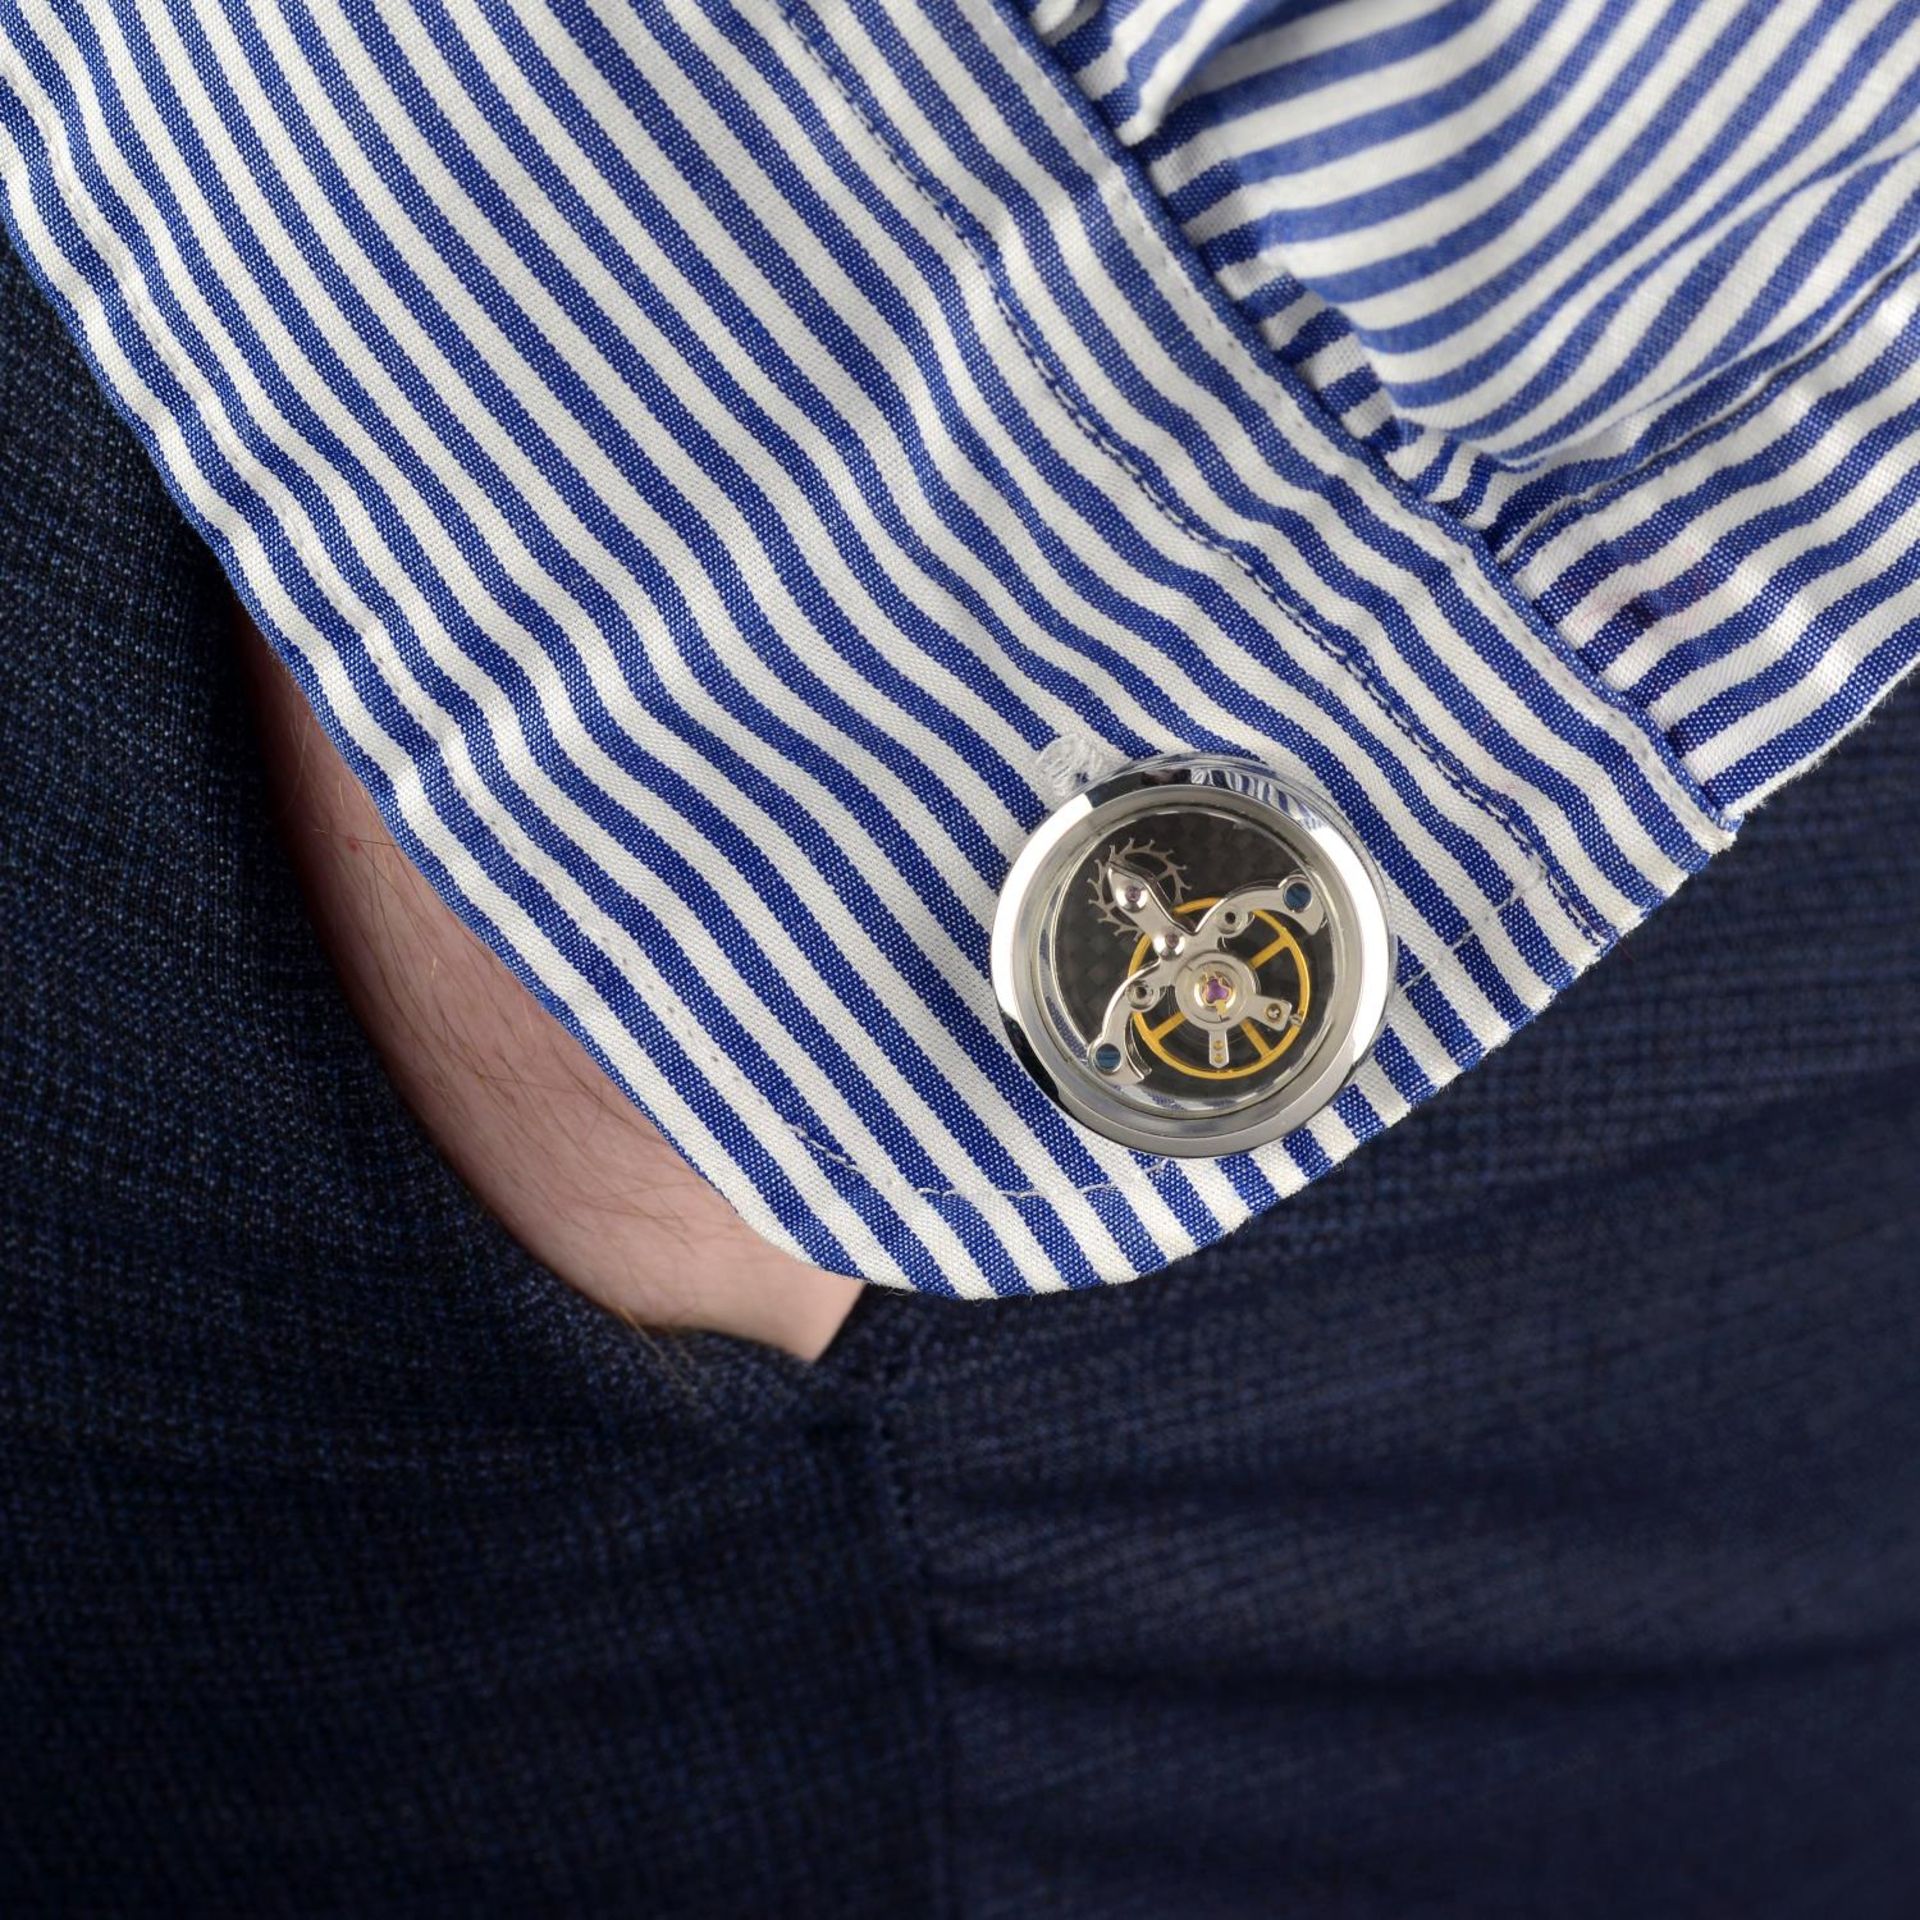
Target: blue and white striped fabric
(1554,264)
(721,468)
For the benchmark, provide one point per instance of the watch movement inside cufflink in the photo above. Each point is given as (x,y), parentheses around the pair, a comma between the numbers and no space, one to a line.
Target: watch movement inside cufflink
(1193,956)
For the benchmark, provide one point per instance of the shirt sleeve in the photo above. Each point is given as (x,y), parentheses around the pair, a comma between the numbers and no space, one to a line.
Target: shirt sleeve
(722,473)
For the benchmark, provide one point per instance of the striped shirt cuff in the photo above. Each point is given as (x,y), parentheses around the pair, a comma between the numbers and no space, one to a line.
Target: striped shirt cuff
(711,467)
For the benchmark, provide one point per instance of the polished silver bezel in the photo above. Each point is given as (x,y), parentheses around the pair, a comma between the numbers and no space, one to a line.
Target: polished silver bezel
(1362,973)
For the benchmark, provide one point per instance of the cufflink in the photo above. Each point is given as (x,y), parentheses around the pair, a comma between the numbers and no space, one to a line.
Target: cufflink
(1192,956)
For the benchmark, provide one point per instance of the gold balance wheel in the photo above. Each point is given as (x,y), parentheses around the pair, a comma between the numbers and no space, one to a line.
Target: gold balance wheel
(1154,1032)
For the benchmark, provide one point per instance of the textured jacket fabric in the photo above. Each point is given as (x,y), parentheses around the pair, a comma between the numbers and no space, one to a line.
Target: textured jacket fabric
(1521,1521)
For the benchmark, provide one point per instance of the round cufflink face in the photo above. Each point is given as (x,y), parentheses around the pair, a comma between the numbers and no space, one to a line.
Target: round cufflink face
(1192,956)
